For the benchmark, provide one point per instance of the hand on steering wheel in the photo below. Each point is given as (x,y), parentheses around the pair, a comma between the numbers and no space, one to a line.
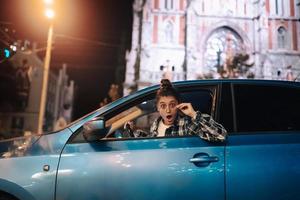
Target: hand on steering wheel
(128,129)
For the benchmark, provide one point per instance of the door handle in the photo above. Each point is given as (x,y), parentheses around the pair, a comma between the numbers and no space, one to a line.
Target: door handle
(207,159)
(203,159)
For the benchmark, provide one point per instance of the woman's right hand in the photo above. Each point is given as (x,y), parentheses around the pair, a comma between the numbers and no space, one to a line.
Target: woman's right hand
(187,109)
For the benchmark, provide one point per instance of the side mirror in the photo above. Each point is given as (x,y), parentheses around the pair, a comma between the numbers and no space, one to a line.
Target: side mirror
(94,130)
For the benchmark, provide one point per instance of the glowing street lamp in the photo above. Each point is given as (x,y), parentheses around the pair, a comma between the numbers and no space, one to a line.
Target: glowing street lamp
(48,2)
(50,14)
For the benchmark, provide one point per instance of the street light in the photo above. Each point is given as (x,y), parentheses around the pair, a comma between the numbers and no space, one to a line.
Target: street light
(48,2)
(49,12)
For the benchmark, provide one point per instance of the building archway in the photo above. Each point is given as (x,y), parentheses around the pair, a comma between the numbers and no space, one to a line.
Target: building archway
(221,45)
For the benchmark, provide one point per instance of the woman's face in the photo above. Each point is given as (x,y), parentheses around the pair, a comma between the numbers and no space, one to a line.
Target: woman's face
(166,107)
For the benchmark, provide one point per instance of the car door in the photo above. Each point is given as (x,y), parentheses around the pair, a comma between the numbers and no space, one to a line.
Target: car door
(262,155)
(142,168)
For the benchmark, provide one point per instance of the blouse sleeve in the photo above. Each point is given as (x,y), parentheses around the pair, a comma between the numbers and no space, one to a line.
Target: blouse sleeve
(207,128)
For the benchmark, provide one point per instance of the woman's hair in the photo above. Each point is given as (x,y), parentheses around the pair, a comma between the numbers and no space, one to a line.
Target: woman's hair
(167,89)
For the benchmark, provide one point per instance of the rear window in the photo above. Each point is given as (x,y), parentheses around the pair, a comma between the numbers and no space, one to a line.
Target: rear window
(267,108)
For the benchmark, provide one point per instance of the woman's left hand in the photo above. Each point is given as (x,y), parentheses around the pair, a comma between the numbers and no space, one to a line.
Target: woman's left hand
(187,109)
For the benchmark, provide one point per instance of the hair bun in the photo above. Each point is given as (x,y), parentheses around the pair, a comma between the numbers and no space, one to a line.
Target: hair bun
(166,89)
(165,84)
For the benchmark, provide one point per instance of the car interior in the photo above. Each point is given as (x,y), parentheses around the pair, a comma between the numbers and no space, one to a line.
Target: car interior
(143,114)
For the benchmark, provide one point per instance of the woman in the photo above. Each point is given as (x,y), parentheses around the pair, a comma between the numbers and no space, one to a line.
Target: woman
(178,118)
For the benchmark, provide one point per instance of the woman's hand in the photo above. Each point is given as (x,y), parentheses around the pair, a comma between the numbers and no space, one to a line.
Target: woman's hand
(129,128)
(129,125)
(187,109)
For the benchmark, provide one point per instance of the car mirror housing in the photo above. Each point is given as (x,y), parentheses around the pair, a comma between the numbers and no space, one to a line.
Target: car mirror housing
(94,130)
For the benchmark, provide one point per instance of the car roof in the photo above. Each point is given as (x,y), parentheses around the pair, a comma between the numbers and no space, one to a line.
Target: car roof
(220,81)
(244,81)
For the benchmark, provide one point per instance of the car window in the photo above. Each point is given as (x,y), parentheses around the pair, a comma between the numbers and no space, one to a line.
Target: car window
(267,108)
(142,114)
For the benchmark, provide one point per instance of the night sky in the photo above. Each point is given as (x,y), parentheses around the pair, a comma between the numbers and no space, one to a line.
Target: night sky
(91,35)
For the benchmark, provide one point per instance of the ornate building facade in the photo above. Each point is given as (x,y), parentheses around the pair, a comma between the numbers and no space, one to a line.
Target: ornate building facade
(189,39)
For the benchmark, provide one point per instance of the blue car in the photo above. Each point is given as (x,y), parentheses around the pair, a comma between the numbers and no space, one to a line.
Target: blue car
(95,157)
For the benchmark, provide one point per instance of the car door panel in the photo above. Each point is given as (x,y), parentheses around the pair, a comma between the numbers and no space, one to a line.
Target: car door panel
(140,169)
(262,155)
(263,166)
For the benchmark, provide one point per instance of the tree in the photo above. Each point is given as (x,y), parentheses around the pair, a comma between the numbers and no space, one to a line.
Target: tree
(8,88)
(236,66)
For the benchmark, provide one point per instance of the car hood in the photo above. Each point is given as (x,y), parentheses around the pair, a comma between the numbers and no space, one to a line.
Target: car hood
(16,147)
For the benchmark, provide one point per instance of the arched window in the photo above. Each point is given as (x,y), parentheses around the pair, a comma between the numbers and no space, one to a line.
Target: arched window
(276,7)
(168,32)
(281,37)
(169,4)
(221,46)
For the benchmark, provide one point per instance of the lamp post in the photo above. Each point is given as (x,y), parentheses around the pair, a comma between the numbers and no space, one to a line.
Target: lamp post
(50,15)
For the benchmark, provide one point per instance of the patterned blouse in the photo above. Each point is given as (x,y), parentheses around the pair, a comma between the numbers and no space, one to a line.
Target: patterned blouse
(203,125)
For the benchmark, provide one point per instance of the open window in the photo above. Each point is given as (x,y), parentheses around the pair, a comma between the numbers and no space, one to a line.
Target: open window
(142,113)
